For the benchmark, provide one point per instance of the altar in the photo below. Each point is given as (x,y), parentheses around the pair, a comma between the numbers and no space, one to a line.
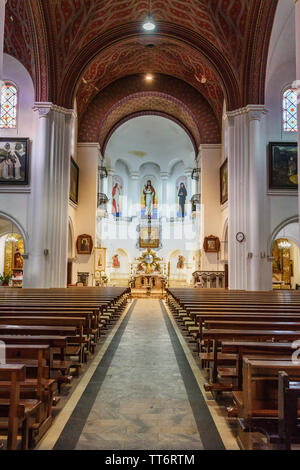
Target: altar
(148,279)
(155,281)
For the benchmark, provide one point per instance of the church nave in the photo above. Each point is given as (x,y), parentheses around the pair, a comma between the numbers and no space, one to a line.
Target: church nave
(143,393)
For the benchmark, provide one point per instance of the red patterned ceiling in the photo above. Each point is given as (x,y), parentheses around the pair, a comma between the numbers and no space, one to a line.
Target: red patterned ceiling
(77,22)
(128,96)
(18,40)
(132,57)
(61,41)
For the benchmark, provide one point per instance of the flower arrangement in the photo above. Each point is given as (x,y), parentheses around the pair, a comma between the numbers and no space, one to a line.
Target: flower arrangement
(5,278)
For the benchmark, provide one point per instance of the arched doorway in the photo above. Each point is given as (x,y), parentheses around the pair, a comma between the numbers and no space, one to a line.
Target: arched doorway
(286,257)
(12,251)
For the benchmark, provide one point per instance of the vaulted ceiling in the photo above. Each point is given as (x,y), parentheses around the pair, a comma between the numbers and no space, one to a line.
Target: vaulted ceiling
(78,48)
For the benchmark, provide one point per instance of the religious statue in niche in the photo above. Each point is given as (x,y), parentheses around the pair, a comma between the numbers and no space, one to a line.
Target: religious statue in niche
(180,262)
(116,261)
(18,260)
(116,196)
(181,193)
(149,200)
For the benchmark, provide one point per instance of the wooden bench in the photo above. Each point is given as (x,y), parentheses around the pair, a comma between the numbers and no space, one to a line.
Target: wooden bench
(16,411)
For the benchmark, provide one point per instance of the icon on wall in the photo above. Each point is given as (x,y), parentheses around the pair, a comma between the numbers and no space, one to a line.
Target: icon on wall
(283,165)
(74,182)
(211,244)
(84,245)
(224,182)
(100,259)
(14,161)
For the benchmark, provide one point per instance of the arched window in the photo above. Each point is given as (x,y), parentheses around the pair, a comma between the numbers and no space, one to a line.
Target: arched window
(8,106)
(290,121)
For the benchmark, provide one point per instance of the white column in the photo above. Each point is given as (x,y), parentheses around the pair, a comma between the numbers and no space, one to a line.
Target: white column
(47,263)
(110,174)
(256,198)
(246,187)
(163,204)
(134,193)
(2,25)
(297,19)
(188,174)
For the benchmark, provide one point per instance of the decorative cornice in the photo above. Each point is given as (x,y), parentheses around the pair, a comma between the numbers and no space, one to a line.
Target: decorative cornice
(254,111)
(134,175)
(210,147)
(44,108)
(89,145)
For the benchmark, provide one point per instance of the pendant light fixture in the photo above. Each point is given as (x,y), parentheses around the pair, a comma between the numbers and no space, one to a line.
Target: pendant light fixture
(149,24)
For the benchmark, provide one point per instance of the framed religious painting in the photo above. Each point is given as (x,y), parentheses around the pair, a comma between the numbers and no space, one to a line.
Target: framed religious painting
(283,165)
(84,245)
(100,259)
(149,238)
(74,182)
(211,244)
(14,161)
(224,182)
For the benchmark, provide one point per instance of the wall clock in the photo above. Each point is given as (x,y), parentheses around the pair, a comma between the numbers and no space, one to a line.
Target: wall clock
(240,237)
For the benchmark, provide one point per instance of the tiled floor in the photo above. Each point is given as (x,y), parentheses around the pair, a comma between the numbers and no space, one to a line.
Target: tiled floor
(142,402)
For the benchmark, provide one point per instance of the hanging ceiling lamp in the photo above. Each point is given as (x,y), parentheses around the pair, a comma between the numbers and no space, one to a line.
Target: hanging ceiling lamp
(12,237)
(284,245)
(149,24)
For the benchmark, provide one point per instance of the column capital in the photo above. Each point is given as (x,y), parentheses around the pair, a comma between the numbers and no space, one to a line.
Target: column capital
(44,108)
(134,175)
(188,172)
(89,144)
(110,172)
(254,111)
(164,175)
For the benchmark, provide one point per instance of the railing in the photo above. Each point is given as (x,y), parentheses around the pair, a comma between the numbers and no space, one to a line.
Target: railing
(209,279)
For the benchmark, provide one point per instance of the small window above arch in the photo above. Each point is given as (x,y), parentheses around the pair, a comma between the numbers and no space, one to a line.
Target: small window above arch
(8,106)
(289,110)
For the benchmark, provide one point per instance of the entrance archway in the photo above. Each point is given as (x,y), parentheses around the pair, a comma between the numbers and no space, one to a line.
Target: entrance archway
(286,256)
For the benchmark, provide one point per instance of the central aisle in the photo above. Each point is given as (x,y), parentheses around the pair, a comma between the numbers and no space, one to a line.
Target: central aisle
(137,398)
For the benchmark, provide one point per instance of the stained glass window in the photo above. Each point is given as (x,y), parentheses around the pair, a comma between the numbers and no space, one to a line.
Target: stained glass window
(290,122)
(8,106)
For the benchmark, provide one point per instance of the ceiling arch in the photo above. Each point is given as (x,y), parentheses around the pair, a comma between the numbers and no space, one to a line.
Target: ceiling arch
(140,55)
(165,94)
(58,40)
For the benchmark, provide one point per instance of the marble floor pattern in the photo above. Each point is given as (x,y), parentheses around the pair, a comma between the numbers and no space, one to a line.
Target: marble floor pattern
(142,402)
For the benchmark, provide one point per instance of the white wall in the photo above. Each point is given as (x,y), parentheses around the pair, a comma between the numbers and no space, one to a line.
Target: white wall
(14,200)
(211,210)
(84,216)
(281,73)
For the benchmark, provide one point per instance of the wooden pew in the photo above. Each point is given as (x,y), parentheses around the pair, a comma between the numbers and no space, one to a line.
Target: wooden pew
(17,411)
(259,397)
